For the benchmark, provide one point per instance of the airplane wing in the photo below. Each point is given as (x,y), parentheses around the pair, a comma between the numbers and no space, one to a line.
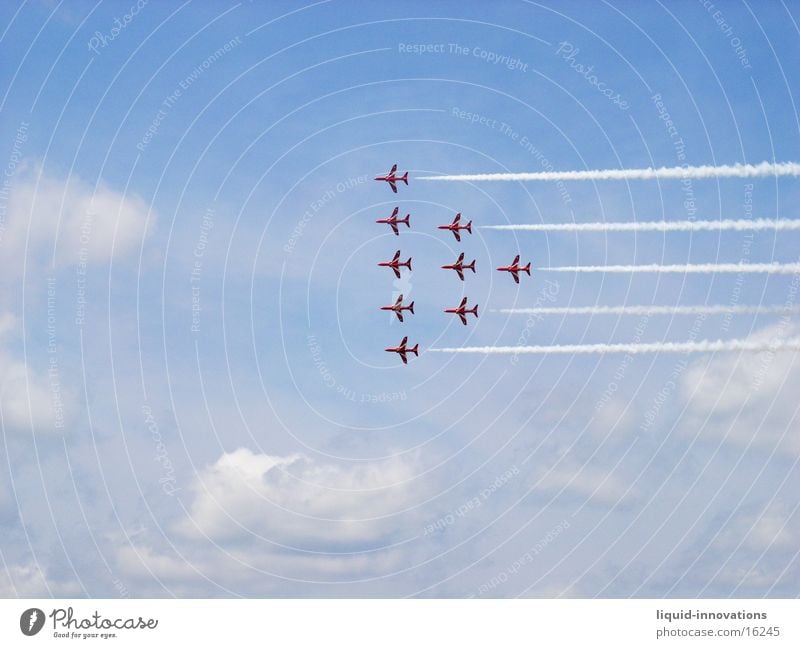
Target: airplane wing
(399,300)
(463,318)
(394,168)
(394,229)
(396,256)
(463,303)
(515,261)
(460,258)
(403,342)
(394,213)
(396,271)
(460,274)
(391,184)
(515,275)
(403,356)
(457,235)
(399,315)
(456,219)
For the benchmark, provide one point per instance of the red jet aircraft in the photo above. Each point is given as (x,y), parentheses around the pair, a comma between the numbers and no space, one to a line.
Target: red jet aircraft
(394,221)
(455,226)
(398,308)
(515,269)
(402,350)
(392,178)
(459,266)
(462,311)
(395,264)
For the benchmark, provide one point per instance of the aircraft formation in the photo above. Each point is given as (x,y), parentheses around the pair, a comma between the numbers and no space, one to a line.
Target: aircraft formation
(459,266)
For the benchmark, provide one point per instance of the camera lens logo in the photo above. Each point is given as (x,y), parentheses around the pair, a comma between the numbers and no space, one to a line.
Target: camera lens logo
(31,621)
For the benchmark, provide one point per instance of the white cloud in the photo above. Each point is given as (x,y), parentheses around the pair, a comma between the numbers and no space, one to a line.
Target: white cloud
(91,221)
(772,528)
(28,581)
(8,323)
(25,397)
(295,499)
(136,561)
(747,398)
(581,480)
(755,551)
(83,223)
(28,398)
(255,570)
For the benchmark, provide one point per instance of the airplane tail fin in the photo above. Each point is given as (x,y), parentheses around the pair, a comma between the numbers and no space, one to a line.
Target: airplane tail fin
(414,350)
(411,308)
(474,311)
(405,220)
(405,178)
(469,227)
(471,266)
(408,263)
(527,268)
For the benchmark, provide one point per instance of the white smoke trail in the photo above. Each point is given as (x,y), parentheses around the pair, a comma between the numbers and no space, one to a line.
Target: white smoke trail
(764,169)
(651,310)
(767,268)
(657,226)
(703,346)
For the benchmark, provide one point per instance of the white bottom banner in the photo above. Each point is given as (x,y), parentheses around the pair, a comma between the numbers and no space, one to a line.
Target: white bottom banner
(351,622)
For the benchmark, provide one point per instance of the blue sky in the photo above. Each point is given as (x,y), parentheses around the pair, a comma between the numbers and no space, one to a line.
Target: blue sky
(219,157)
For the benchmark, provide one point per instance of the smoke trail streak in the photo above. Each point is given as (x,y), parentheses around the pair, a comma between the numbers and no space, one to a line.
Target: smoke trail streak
(767,268)
(651,310)
(657,226)
(764,169)
(703,346)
